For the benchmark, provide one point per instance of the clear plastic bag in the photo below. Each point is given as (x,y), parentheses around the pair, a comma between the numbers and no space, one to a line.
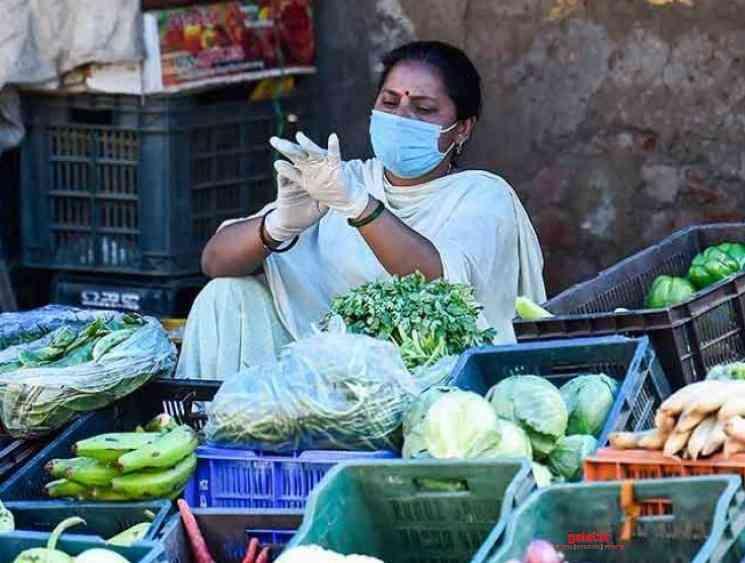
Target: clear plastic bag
(27,326)
(47,382)
(329,391)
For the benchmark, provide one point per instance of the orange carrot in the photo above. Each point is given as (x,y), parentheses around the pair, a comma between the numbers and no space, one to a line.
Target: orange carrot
(198,546)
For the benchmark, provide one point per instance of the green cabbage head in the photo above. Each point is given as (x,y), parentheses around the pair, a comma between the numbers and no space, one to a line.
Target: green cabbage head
(566,458)
(536,405)
(589,399)
(457,425)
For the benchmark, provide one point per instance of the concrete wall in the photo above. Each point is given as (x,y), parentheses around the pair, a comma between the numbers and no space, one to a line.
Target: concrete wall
(617,121)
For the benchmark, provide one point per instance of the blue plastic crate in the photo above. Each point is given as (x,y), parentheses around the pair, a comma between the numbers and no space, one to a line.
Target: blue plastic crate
(227,532)
(630,361)
(228,477)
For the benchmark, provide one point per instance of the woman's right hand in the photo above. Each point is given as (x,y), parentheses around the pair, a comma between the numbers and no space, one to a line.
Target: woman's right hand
(295,210)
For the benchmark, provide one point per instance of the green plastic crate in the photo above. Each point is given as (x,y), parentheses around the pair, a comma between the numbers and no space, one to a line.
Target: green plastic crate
(696,519)
(398,511)
(11,545)
(102,519)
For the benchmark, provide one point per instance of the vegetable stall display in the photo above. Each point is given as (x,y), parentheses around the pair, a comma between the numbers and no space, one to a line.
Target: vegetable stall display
(521,416)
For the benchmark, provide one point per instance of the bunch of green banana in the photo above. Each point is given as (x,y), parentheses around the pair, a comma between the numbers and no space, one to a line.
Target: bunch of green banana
(154,462)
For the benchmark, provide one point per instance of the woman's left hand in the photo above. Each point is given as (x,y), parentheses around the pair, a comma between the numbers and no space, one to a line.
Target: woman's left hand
(323,176)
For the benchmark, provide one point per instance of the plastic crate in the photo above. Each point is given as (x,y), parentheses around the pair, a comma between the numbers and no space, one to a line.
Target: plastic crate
(11,545)
(609,464)
(227,532)
(696,519)
(102,519)
(125,184)
(400,512)
(234,478)
(171,297)
(15,452)
(630,361)
(174,397)
(690,337)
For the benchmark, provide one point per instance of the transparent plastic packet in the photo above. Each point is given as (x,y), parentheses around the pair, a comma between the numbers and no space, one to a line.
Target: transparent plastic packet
(330,391)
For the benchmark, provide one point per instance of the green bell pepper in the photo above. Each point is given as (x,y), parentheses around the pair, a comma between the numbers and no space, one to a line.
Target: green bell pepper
(734,250)
(710,266)
(669,290)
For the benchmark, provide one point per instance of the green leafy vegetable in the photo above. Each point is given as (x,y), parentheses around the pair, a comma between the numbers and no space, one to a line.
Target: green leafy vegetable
(542,475)
(514,441)
(567,457)
(426,320)
(589,399)
(734,370)
(536,405)
(447,423)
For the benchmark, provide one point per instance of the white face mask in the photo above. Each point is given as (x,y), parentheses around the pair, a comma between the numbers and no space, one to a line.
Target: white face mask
(409,148)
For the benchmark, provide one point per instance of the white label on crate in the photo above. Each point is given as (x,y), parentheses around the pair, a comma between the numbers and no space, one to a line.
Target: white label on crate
(110,300)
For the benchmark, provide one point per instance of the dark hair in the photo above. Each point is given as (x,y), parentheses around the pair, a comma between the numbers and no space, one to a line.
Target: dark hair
(462,80)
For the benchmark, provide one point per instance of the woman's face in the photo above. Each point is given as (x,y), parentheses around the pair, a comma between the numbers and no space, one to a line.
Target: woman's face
(415,90)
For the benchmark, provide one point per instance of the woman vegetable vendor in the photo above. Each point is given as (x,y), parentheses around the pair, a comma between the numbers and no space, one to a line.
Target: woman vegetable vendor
(337,224)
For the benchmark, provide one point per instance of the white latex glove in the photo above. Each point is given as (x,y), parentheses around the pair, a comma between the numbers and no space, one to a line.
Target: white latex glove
(295,210)
(322,173)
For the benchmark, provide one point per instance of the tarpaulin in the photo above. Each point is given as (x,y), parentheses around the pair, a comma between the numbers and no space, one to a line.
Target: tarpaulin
(40,40)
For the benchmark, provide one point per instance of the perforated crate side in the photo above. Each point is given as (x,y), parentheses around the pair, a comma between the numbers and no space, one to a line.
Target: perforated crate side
(112,185)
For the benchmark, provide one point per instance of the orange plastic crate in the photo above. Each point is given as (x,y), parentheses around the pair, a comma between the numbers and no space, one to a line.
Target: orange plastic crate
(608,464)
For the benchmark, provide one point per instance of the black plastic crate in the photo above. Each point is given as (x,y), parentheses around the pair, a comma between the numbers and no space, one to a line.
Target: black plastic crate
(632,362)
(125,185)
(148,296)
(175,397)
(690,337)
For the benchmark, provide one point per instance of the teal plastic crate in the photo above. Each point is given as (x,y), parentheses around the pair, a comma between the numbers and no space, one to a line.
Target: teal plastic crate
(696,519)
(102,519)
(632,362)
(413,511)
(228,530)
(11,545)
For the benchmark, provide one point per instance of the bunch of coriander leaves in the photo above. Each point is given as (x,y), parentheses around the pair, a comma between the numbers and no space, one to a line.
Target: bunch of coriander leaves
(426,320)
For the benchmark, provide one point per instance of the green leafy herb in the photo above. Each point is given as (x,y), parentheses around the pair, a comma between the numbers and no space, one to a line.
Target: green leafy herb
(427,320)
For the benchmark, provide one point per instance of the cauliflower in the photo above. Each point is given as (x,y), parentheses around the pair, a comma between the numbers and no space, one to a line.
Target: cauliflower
(316,554)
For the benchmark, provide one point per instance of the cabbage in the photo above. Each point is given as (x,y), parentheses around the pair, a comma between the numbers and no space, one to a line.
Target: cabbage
(461,425)
(542,475)
(447,423)
(413,424)
(514,441)
(589,399)
(536,405)
(734,370)
(567,457)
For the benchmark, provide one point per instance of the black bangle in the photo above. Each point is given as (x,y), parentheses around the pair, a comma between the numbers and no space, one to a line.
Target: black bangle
(370,218)
(267,244)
